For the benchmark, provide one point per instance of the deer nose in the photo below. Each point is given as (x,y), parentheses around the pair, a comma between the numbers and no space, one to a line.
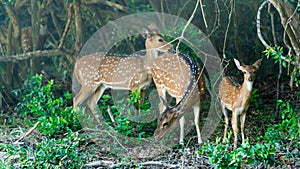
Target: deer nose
(250,79)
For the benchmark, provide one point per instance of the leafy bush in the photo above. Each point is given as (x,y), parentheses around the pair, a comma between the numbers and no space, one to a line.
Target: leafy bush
(39,102)
(123,124)
(222,157)
(52,153)
(286,132)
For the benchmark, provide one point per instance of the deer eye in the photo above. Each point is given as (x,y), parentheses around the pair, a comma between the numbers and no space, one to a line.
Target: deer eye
(160,40)
(165,124)
(244,72)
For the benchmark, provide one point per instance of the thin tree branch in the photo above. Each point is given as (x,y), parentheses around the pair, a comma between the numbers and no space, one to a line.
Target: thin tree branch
(108,3)
(227,28)
(203,14)
(63,38)
(28,132)
(29,55)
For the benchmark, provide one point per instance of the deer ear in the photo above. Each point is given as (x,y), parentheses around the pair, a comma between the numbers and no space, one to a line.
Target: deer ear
(257,63)
(145,33)
(153,28)
(237,63)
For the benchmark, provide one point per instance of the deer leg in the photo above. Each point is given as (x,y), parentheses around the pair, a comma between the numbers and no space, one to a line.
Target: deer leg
(234,126)
(242,119)
(143,96)
(162,95)
(196,116)
(226,122)
(181,123)
(93,100)
(82,95)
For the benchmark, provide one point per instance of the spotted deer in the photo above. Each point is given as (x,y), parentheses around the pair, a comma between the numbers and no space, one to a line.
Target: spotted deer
(237,98)
(98,72)
(179,76)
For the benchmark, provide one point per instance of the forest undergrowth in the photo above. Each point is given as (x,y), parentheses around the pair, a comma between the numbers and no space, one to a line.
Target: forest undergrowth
(43,131)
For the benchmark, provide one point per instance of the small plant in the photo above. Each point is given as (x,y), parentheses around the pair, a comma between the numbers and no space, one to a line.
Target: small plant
(254,99)
(39,102)
(123,123)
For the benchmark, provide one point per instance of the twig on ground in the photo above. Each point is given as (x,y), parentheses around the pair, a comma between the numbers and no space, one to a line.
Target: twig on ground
(28,132)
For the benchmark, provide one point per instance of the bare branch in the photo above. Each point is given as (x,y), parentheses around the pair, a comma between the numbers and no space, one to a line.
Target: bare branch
(203,14)
(29,55)
(108,3)
(110,164)
(63,38)
(28,132)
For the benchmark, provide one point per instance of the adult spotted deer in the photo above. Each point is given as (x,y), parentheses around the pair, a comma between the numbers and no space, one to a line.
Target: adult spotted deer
(237,98)
(179,75)
(99,71)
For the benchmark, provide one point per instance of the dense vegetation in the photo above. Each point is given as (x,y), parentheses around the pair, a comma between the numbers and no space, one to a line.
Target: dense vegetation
(40,129)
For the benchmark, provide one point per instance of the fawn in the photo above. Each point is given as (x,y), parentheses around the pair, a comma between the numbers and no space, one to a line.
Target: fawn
(237,98)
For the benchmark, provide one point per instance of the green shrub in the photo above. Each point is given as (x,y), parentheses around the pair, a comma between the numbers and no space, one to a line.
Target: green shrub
(40,104)
(52,153)
(221,155)
(287,132)
(123,124)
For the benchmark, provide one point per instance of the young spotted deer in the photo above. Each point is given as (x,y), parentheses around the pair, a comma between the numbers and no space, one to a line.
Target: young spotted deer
(180,76)
(237,98)
(99,71)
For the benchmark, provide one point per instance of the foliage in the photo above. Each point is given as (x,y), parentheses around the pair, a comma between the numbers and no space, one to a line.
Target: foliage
(276,54)
(123,124)
(52,153)
(254,99)
(38,101)
(220,155)
(288,131)
(136,6)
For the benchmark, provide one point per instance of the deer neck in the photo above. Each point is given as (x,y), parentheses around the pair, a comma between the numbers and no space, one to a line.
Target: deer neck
(246,88)
(191,90)
(151,54)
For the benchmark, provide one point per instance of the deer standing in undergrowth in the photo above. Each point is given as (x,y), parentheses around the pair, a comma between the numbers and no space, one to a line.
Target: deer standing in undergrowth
(98,72)
(237,98)
(179,75)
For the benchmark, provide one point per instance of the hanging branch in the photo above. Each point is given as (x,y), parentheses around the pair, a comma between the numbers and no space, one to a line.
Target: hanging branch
(262,39)
(227,28)
(203,14)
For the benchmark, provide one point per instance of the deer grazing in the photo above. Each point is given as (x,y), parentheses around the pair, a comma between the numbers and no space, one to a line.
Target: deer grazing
(99,71)
(237,98)
(179,75)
